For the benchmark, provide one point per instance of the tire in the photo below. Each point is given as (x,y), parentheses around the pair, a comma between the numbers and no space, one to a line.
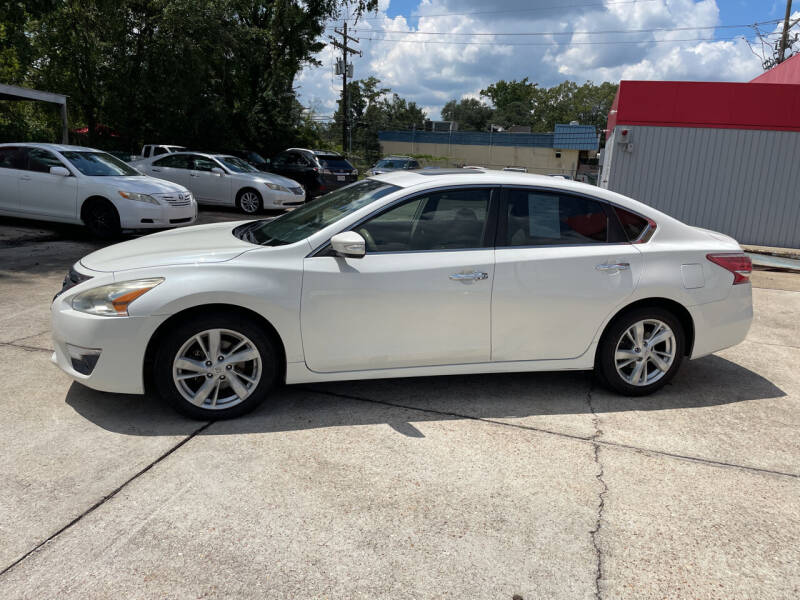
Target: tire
(102,219)
(226,388)
(249,201)
(641,368)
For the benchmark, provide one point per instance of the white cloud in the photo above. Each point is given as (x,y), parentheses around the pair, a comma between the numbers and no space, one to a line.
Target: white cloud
(423,69)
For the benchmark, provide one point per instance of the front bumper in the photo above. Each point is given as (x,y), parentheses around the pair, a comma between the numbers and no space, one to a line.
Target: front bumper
(122,342)
(152,216)
(722,324)
(276,200)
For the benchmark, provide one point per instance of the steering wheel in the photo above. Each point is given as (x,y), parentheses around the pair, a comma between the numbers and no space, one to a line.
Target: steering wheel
(368,239)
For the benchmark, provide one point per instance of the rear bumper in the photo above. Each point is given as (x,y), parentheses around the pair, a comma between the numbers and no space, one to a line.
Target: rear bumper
(720,325)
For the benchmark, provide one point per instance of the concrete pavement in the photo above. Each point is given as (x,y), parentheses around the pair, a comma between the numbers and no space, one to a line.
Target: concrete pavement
(536,485)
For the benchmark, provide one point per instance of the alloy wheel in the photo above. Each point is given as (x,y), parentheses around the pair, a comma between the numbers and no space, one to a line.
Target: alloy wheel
(250,202)
(645,352)
(217,369)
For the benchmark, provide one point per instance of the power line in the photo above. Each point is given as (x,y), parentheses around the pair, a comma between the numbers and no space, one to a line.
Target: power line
(516,10)
(596,43)
(599,32)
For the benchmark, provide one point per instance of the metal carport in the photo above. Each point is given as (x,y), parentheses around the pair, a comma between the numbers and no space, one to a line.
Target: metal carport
(16,93)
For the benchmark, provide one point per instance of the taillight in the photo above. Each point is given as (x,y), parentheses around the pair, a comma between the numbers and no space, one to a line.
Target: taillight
(737,263)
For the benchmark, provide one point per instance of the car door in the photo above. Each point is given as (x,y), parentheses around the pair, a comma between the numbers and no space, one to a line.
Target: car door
(563,265)
(172,167)
(11,167)
(211,188)
(420,296)
(42,193)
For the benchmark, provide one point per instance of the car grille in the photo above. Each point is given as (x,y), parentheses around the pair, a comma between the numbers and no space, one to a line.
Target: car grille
(72,279)
(176,199)
(297,191)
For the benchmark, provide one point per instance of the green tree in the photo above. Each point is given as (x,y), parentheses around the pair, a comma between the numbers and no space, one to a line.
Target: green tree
(588,104)
(470,113)
(513,101)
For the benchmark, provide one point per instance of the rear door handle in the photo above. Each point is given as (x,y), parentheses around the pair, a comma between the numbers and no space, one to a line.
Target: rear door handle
(622,266)
(474,276)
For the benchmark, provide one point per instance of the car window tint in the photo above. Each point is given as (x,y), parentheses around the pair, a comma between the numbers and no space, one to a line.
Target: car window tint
(538,218)
(40,160)
(175,161)
(633,225)
(159,150)
(334,163)
(449,220)
(12,158)
(201,163)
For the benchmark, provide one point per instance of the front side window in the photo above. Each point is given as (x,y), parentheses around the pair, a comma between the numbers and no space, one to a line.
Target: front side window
(201,163)
(99,164)
(307,220)
(545,218)
(11,158)
(40,160)
(175,161)
(159,150)
(444,220)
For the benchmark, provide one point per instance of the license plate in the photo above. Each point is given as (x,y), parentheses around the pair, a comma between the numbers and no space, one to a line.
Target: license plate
(340,178)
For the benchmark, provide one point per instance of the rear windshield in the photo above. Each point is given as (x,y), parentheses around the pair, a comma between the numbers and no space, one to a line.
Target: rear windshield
(335,163)
(294,226)
(99,164)
(393,163)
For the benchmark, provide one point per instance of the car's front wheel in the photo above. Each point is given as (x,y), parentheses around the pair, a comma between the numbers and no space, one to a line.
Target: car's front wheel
(249,202)
(641,351)
(215,367)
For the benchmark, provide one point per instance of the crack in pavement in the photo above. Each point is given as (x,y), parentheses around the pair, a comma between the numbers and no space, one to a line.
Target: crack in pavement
(570,436)
(107,497)
(24,347)
(601,496)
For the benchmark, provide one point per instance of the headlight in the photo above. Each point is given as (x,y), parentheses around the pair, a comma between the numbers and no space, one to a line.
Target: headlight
(137,197)
(276,187)
(112,300)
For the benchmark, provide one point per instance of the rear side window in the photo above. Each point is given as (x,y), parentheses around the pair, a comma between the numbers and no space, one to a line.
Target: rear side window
(632,224)
(542,218)
(159,150)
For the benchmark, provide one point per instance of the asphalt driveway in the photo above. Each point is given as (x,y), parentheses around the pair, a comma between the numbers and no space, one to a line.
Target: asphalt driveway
(487,486)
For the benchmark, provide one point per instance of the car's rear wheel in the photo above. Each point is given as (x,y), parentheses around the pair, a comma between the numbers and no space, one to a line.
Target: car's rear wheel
(101,219)
(641,350)
(215,367)
(249,202)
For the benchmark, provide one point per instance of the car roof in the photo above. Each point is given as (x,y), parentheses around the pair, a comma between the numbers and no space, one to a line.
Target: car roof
(437,178)
(56,147)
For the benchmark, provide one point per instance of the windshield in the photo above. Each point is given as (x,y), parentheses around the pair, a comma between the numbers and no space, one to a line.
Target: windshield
(237,165)
(311,218)
(99,164)
(335,163)
(388,163)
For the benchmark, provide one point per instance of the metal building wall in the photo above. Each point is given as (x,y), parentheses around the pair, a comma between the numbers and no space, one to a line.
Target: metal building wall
(744,183)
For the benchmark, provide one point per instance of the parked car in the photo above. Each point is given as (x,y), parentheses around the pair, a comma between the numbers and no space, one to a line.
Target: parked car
(149,150)
(442,272)
(222,179)
(393,163)
(74,184)
(320,171)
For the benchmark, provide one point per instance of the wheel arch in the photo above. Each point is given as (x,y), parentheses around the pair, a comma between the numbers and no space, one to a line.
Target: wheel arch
(197,311)
(676,308)
(92,200)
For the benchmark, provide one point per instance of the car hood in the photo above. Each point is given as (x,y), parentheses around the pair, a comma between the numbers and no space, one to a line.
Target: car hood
(142,184)
(270,177)
(186,246)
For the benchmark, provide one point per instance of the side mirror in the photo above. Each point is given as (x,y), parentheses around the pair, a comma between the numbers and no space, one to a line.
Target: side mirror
(63,171)
(218,171)
(349,243)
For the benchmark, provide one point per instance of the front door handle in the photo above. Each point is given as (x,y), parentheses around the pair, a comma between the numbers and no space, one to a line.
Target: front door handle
(622,266)
(474,276)
(194,174)
(155,169)
(24,178)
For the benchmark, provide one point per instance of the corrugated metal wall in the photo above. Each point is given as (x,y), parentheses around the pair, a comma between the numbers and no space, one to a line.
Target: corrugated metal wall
(745,183)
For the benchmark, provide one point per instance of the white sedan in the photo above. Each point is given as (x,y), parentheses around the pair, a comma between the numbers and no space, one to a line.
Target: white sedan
(404,274)
(73,184)
(222,179)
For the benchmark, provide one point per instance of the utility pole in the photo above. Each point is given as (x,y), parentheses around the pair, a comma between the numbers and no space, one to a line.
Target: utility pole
(344,68)
(785,37)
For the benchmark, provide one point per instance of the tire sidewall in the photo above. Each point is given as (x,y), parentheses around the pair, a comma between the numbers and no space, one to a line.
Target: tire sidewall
(606,365)
(174,339)
(241,193)
(111,229)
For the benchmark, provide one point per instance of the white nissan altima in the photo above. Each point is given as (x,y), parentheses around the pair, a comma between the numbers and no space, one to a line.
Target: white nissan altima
(404,274)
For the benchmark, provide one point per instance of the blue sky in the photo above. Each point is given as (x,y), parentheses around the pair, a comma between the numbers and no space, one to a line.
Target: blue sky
(431,51)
